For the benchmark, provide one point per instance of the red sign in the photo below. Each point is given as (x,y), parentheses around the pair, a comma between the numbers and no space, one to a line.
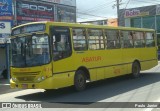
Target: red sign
(33,19)
(6,18)
(31,11)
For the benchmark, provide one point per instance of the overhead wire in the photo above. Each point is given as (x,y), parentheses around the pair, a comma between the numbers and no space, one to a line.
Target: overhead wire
(90,15)
(98,7)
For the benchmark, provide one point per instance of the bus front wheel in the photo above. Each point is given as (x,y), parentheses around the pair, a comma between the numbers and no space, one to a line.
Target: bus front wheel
(80,80)
(135,69)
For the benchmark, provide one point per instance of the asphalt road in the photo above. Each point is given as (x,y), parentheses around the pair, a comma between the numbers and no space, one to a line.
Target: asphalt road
(146,88)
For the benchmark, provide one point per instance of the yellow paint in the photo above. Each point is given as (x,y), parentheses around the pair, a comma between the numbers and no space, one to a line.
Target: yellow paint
(100,64)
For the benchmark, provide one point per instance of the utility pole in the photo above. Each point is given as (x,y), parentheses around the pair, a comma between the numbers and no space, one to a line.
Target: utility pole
(118,12)
(117,5)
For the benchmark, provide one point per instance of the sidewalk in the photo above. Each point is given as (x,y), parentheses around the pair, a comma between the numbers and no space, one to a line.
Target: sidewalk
(5,86)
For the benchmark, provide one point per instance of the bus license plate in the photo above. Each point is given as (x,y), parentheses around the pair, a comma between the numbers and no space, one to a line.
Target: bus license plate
(24,86)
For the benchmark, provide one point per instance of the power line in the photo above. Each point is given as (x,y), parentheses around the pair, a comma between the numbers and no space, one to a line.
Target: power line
(98,7)
(127,4)
(94,7)
(105,5)
(82,18)
(90,14)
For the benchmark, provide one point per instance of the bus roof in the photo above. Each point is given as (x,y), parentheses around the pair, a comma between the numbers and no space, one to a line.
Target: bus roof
(84,26)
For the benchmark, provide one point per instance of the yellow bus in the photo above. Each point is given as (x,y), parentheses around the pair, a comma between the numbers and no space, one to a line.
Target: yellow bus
(52,55)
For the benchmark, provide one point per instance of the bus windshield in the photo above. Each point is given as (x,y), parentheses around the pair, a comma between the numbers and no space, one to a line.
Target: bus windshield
(30,51)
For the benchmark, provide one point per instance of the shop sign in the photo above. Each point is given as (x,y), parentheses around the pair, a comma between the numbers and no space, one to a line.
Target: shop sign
(5,31)
(31,11)
(134,13)
(5,7)
(5,27)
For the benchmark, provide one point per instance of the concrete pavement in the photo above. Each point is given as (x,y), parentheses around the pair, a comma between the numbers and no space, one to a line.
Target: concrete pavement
(5,86)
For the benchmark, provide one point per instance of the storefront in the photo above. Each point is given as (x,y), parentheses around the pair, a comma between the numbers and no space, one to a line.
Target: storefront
(142,17)
(5,31)
(6,19)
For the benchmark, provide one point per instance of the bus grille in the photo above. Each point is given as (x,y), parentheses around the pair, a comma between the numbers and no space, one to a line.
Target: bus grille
(26,77)
(26,73)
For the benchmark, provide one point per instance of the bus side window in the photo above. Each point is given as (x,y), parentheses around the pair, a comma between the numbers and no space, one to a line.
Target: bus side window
(112,39)
(149,39)
(61,43)
(79,39)
(95,39)
(139,40)
(127,39)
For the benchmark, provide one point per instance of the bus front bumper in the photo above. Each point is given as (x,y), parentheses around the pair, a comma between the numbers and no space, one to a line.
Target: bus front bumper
(54,82)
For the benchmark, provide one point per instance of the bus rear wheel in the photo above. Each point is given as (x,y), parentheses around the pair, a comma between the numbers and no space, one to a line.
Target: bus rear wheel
(80,80)
(135,69)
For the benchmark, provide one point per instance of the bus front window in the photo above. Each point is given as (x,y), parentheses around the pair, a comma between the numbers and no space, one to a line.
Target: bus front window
(30,51)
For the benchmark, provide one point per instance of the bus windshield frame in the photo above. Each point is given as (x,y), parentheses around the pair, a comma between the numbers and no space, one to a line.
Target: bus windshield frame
(30,50)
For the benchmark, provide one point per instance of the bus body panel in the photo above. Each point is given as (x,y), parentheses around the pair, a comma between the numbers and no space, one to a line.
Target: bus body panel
(101,64)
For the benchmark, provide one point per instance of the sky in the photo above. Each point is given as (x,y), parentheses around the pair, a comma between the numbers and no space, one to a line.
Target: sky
(88,10)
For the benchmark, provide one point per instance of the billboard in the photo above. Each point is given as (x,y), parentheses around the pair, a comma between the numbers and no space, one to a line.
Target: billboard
(5,27)
(5,7)
(63,2)
(31,11)
(66,14)
(5,31)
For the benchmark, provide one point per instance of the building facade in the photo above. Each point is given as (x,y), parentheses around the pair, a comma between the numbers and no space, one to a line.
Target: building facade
(109,22)
(142,17)
(44,10)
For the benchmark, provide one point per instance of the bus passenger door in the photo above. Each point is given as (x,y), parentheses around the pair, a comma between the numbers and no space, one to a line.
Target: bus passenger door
(62,63)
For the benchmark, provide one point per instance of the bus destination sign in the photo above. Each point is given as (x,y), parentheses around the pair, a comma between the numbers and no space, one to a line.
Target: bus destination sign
(28,29)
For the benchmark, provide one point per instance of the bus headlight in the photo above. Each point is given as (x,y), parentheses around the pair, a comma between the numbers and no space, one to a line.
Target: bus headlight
(39,79)
(43,78)
(14,79)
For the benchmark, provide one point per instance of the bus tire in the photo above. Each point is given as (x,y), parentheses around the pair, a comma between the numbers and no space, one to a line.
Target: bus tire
(136,69)
(80,80)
